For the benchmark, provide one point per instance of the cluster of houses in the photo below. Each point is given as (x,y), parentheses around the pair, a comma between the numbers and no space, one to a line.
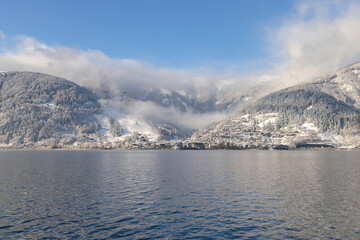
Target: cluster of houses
(239,132)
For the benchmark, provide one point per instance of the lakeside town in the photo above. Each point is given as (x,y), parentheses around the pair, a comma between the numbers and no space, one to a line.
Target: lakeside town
(238,133)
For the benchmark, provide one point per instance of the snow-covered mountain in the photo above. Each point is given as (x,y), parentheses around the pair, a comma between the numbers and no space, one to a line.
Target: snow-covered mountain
(38,108)
(344,85)
(43,110)
(227,100)
(325,110)
(169,99)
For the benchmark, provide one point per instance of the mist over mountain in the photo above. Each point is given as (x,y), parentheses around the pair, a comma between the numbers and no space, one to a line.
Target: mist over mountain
(43,110)
(221,100)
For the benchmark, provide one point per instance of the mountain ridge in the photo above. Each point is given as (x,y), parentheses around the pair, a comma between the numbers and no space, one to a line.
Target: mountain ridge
(40,110)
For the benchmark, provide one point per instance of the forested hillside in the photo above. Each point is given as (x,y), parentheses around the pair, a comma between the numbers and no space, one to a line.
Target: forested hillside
(36,107)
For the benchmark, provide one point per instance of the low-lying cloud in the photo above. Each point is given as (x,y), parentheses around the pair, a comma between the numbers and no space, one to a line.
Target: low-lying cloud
(94,69)
(149,111)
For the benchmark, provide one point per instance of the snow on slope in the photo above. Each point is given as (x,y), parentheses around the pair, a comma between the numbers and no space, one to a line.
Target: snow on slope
(129,124)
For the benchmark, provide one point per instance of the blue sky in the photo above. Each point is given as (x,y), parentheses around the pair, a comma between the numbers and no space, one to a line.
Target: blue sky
(166,33)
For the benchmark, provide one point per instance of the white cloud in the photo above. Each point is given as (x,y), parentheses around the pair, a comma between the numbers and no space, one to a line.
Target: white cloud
(321,38)
(94,69)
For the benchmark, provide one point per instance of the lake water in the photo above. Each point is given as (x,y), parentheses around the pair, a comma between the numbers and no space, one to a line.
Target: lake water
(179,194)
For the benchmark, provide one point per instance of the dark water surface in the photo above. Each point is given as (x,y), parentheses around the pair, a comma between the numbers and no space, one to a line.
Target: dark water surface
(179,194)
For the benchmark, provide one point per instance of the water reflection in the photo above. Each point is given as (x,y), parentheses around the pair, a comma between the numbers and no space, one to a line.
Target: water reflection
(179,194)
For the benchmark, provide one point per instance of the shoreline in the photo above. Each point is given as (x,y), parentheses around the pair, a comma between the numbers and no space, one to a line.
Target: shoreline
(161,149)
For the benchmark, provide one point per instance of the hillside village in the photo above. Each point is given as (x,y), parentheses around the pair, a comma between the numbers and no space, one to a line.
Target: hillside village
(239,133)
(244,132)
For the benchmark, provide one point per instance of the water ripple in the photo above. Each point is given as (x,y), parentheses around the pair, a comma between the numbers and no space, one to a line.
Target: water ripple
(179,195)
